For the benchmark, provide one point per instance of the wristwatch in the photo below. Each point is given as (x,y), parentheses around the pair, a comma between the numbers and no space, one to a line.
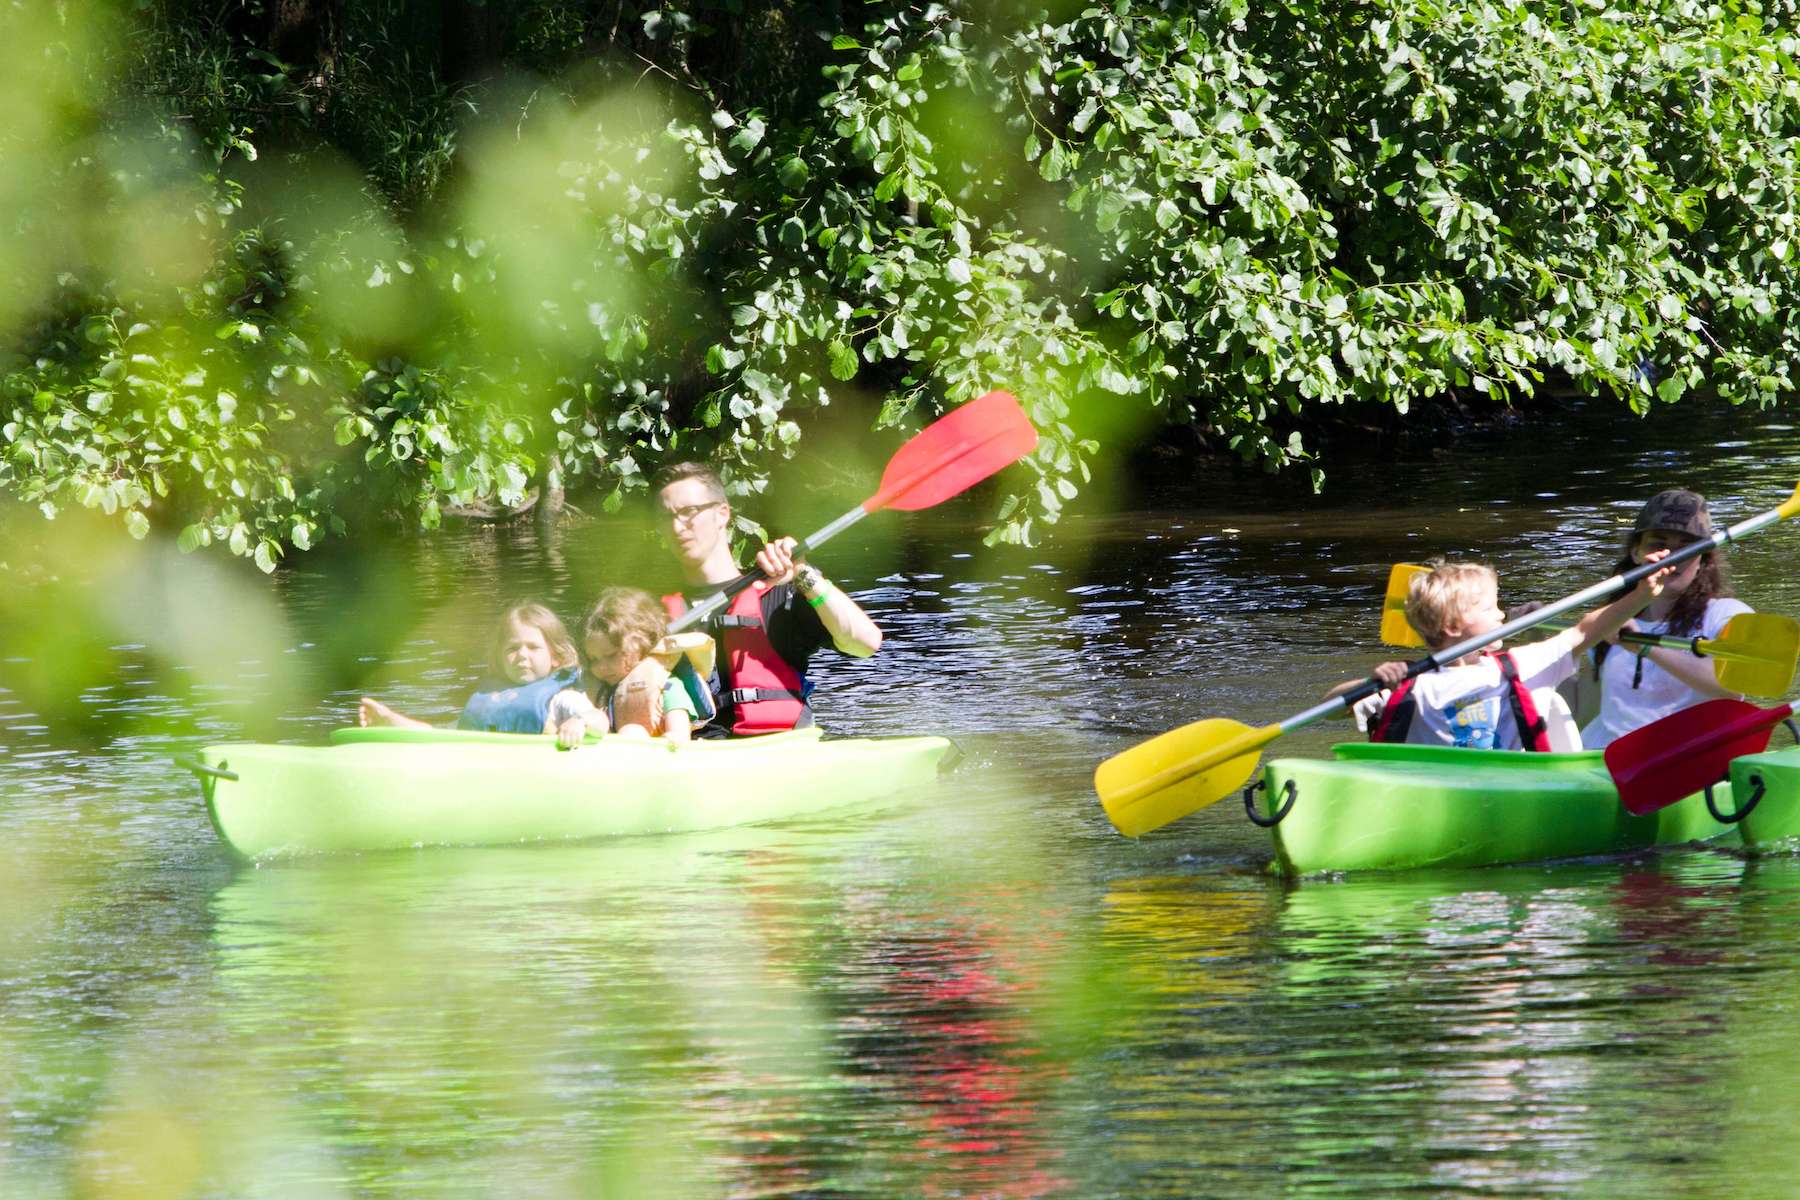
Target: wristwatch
(808,578)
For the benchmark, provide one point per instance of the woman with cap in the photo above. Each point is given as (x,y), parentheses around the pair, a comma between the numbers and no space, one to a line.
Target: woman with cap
(1641,684)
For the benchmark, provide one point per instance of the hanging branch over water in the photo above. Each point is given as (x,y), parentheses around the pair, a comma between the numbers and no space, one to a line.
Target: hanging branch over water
(288,271)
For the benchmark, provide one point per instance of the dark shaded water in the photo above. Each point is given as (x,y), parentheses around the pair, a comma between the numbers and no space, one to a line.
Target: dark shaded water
(981,990)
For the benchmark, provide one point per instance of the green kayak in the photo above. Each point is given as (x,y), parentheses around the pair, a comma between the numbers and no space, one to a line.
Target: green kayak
(1767,788)
(381,789)
(1392,807)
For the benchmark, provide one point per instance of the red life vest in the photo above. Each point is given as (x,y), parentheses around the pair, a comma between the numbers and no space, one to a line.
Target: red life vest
(767,693)
(1397,714)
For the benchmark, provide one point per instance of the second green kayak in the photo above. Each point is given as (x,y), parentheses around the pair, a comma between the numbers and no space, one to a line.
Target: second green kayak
(389,789)
(1391,807)
(1767,791)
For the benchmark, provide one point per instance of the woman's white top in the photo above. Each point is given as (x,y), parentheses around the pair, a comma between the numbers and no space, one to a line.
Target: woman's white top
(1657,694)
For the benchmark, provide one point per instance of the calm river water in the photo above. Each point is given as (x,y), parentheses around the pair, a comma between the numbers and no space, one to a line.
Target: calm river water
(976,991)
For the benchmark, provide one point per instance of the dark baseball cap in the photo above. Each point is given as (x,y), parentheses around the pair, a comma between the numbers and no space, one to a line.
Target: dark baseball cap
(1676,509)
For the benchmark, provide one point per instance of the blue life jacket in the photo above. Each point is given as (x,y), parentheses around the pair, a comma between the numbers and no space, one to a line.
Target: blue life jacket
(501,707)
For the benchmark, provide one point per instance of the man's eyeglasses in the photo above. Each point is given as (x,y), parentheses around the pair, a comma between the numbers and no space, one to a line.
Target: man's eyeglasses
(686,513)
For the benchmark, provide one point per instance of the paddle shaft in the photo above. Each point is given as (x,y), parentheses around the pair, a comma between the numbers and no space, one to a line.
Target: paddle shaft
(1585,597)
(1701,647)
(719,599)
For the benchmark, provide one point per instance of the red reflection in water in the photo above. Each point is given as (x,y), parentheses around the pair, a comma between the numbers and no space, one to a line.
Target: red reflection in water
(944,1029)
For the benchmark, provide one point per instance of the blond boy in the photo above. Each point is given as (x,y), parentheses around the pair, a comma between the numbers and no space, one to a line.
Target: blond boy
(1482,700)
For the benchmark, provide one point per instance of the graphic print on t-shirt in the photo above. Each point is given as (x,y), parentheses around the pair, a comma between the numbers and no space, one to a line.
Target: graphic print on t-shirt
(1472,721)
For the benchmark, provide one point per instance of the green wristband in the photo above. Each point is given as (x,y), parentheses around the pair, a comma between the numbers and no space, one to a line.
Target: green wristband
(824,595)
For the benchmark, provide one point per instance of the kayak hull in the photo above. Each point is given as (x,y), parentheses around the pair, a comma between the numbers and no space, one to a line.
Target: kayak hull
(391,789)
(1398,807)
(1766,787)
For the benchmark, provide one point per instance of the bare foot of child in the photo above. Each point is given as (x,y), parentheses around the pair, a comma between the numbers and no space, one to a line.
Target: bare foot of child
(370,711)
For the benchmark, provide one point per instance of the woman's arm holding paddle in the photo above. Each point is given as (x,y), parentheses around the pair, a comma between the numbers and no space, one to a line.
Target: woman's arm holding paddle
(1691,669)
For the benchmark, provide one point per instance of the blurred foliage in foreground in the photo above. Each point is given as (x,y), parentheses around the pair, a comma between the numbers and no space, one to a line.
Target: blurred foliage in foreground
(276,269)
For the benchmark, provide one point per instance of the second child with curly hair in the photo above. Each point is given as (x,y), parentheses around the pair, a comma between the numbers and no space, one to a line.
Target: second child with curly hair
(626,688)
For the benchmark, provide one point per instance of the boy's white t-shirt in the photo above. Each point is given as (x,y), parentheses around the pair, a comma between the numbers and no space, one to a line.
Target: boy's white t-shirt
(1468,706)
(1658,694)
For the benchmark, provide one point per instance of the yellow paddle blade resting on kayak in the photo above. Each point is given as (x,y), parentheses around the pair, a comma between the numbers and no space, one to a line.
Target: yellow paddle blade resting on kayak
(1396,630)
(1179,772)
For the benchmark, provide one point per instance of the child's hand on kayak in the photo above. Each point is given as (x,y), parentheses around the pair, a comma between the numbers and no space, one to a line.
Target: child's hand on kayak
(570,733)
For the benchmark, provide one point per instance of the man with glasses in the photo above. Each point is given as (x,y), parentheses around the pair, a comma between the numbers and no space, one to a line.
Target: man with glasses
(771,629)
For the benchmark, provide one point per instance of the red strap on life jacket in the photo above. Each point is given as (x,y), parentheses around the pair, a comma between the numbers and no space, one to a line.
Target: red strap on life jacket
(1396,715)
(763,688)
(1534,731)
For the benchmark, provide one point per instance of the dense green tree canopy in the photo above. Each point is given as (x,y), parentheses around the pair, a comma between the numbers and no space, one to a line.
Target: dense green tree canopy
(282,266)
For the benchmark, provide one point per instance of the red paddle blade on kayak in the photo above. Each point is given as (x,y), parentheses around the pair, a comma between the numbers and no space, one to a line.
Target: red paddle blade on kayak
(954,453)
(1691,750)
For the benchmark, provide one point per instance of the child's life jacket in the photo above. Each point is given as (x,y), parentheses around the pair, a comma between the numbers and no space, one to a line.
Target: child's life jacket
(637,699)
(502,707)
(767,692)
(1529,729)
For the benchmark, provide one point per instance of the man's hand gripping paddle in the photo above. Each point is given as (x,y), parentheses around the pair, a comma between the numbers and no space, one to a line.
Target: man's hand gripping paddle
(1186,769)
(947,457)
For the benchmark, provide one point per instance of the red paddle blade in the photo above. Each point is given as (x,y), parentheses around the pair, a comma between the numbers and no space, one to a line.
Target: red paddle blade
(1681,754)
(954,453)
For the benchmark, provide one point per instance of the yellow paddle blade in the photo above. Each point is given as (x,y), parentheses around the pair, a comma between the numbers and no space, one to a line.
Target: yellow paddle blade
(1792,505)
(1756,653)
(1396,630)
(1179,772)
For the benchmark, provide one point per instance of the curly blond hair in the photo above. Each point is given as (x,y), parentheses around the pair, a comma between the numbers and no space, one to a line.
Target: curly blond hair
(631,617)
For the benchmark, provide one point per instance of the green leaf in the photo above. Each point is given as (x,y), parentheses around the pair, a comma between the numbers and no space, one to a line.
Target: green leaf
(793,173)
(844,362)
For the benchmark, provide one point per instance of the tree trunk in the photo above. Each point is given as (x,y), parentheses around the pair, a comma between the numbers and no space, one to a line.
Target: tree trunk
(550,492)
